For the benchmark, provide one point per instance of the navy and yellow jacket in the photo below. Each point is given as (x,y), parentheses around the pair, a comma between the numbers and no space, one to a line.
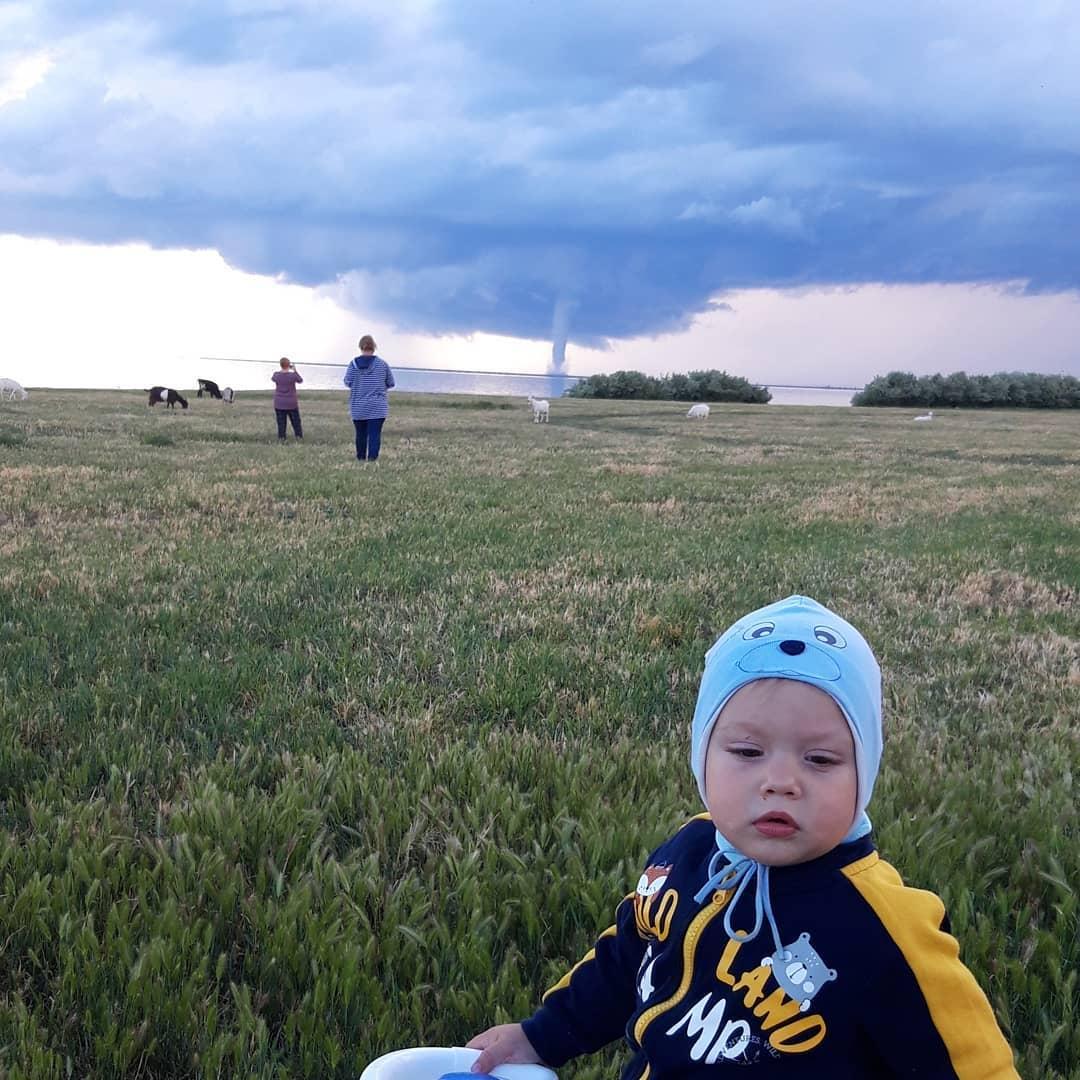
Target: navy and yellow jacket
(868,982)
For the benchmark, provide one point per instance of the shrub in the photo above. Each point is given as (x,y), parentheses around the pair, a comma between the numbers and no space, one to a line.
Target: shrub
(1005,390)
(693,386)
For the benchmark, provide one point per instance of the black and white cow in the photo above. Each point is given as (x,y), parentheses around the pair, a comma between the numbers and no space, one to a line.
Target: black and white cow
(210,387)
(170,397)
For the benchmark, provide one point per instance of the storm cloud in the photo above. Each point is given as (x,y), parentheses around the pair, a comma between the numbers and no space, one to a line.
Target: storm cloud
(576,172)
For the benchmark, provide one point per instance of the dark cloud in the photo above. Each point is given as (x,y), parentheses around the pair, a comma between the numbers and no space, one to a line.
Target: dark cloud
(548,172)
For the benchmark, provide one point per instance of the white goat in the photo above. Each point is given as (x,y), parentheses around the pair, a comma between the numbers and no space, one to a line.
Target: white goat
(698,411)
(10,390)
(540,408)
(925,416)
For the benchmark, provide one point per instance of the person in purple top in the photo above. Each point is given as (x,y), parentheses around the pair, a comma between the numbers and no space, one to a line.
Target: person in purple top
(286,403)
(368,378)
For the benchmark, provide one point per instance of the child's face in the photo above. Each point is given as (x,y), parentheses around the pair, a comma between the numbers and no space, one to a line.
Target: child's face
(780,778)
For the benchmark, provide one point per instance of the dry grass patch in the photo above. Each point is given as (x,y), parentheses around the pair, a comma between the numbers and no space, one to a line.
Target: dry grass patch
(897,505)
(565,579)
(743,455)
(669,509)
(1006,592)
(630,468)
(1047,660)
(1050,656)
(658,631)
(70,474)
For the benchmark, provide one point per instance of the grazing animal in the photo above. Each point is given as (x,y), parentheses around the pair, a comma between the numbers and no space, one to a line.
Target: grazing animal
(698,412)
(227,395)
(541,410)
(10,390)
(210,387)
(929,415)
(170,397)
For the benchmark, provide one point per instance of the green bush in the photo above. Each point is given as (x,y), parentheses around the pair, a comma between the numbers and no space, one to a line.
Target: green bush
(694,386)
(1001,391)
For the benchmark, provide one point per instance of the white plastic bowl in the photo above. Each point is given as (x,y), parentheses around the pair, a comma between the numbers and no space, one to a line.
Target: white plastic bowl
(431,1062)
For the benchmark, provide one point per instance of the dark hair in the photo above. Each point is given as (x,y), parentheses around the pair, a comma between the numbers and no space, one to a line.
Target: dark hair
(367,342)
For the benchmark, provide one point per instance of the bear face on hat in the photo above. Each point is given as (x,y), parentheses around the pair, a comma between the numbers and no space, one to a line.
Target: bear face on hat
(796,638)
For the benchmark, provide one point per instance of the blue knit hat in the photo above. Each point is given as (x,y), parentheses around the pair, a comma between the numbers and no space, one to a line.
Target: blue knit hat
(797,639)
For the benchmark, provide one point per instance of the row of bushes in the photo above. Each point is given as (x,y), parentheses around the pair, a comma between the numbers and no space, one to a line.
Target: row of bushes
(1006,389)
(693,386)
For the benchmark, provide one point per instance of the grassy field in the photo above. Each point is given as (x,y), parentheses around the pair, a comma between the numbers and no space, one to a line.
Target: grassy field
(303,759)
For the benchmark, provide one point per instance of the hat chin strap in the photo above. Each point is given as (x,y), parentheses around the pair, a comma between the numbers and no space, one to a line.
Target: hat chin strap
(737,874)
(729,868)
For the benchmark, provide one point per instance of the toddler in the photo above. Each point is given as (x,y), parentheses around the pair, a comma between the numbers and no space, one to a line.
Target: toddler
(767,938)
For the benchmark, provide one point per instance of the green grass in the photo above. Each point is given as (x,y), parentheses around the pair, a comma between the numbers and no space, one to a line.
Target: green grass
(303,759)
(157,438)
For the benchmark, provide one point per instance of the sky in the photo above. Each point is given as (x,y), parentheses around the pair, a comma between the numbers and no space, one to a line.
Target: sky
(795,193)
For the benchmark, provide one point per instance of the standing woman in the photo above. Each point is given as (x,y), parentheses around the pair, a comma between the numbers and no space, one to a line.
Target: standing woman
(286,403)
(368,378)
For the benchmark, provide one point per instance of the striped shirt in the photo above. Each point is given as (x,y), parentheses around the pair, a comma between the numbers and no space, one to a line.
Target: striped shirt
(368,379)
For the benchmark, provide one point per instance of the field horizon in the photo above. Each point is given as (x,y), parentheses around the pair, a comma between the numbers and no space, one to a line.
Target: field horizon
(303,759)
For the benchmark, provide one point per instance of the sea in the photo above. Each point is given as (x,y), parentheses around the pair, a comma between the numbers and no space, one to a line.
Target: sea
(245,375)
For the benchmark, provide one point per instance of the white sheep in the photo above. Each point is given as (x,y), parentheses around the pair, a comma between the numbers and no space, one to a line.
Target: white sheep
(540,409)
(925,416)
(698,411)
(10,390)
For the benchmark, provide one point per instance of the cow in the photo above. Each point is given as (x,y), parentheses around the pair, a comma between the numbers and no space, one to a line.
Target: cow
(210,387)
(170,397)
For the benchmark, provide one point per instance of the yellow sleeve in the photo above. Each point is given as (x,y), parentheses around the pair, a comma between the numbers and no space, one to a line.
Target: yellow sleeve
(956,1003)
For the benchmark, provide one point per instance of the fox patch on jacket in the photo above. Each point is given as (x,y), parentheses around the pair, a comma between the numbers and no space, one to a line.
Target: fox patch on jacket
(868,982)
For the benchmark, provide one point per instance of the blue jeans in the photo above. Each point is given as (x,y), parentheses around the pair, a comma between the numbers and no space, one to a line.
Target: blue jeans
(368,438)
(294,416)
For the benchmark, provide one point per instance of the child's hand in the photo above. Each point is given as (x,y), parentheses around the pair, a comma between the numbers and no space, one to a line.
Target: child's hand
(505,1044)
